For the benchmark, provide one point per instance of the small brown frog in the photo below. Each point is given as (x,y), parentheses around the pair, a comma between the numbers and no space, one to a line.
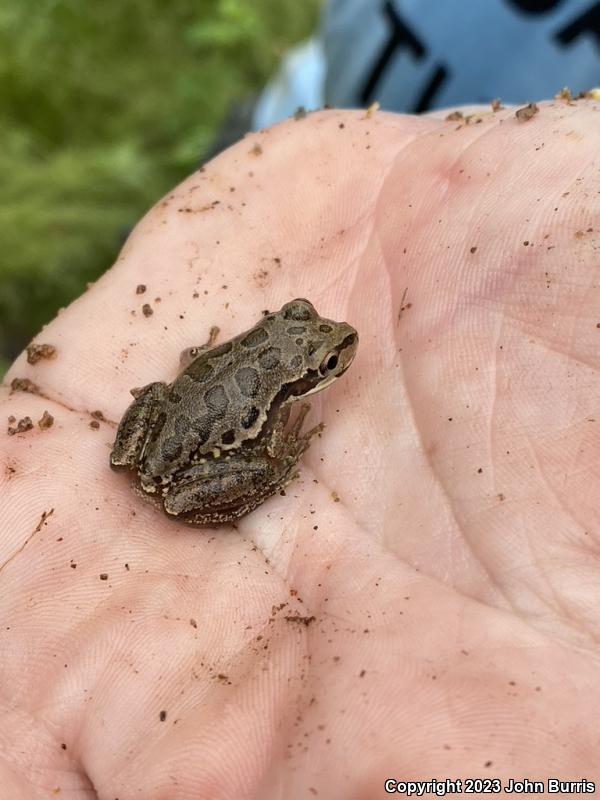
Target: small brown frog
(214,443)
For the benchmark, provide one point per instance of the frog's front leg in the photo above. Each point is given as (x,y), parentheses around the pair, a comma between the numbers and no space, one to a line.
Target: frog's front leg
(278,440)
(137,422)
(275,439)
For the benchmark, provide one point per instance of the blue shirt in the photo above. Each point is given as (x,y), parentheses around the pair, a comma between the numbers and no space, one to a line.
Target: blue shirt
(419,55)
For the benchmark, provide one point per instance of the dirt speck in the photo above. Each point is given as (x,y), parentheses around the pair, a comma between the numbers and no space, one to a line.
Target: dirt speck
(147,310)
(46,421)
(496,105)
(306,621)
(162,716)
(98,415)
(22,426)
(335,497)
(590,94)
(94,424)
(35,352)
(473,250)
(526,112)
(104,576)
(261,278)
(24,385)
(565,95)
(299,113)
(207,207)
(256,150)
(140,288)
(454,116)
(276,609)
(403,305)
(38,528)
(372,109)
(43,518)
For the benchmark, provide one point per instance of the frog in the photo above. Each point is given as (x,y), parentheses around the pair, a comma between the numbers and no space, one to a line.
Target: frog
(215,443)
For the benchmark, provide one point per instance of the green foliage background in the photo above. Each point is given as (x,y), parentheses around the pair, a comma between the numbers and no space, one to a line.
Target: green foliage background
(103,107)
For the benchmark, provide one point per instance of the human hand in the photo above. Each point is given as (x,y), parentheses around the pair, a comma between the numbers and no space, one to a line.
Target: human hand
(421,604)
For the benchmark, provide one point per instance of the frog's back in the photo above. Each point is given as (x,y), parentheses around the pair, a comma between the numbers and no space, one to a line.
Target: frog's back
(221,400)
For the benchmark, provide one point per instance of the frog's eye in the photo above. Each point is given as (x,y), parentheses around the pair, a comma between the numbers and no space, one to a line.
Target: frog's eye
(329,363)
(193,352)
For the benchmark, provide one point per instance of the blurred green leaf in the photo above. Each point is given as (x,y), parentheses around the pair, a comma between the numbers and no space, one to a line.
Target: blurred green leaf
(103,107)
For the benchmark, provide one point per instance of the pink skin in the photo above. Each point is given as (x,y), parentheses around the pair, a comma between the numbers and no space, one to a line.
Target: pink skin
(454,585)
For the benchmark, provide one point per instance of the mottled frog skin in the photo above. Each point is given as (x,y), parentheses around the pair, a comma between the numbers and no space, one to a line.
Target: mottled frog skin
(213,444)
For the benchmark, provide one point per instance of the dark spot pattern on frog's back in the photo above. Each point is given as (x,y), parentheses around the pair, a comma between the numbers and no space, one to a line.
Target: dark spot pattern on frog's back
(182,425)
(201,431)
(228,437)
(221,350)
(255,338)
(216,401)
(325,328)
(270,358)
(249,417)
(295,362)
(296,330)
(247,381)
(171,448)
(199,371)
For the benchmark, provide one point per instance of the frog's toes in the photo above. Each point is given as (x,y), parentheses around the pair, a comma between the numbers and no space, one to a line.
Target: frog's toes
(306,437)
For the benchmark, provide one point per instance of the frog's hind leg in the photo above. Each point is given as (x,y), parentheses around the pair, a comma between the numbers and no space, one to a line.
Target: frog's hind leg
(137,421)
(223,490)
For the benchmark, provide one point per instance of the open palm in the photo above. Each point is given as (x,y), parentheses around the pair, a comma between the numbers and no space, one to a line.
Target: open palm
(422,603)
